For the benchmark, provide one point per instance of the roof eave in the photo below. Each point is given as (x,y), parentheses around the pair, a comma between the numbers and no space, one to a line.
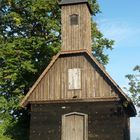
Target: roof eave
(66,4)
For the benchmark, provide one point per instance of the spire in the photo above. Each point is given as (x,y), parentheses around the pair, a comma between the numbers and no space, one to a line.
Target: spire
(72,2)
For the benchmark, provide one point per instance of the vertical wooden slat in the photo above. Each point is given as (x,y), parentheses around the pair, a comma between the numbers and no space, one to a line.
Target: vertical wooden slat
(45,90)
(39,91)
(48,87)
(42,84)
(58,77)
(78,36)
(97,84)
(94,85)
(91,81)
(62,78)
(83,78)
(54,85)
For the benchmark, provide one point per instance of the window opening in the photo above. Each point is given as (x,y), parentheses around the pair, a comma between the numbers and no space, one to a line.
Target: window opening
(74,19)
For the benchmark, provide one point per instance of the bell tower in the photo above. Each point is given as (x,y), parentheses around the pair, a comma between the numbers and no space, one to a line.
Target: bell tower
(76,25)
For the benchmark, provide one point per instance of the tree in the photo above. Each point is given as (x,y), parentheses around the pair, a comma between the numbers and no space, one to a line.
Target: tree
(29,37)
(134,85)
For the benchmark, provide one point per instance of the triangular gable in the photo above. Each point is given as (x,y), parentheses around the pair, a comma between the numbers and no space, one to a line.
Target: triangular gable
(25,100)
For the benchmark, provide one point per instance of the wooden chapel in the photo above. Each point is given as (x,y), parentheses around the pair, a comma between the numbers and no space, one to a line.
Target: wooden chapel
(75,98)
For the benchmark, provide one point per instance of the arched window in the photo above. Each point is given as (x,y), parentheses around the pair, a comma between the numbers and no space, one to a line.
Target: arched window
(74,19)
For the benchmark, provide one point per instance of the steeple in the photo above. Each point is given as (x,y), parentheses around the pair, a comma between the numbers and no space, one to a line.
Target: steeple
(76,25)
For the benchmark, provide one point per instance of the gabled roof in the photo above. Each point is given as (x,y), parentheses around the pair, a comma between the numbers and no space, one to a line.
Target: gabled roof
(94,60)
(72,2)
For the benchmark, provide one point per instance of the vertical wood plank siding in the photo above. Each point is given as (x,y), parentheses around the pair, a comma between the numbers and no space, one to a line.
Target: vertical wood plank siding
(54,85)
(76,37)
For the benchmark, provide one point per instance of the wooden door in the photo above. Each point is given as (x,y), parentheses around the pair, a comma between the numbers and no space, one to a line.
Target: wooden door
(74,126)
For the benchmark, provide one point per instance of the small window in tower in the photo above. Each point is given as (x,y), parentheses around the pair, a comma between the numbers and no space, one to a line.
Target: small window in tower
(74,78)
(74,19)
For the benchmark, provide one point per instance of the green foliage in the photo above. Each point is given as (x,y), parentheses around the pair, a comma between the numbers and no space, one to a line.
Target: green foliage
(100,44)
(5,118)
(29,38)
(134,85)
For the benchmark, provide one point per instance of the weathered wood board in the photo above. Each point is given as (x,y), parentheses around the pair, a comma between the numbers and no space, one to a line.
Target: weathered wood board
(106,121)
(55,84)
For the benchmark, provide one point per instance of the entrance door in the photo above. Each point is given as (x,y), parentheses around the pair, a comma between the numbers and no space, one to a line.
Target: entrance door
(74,126)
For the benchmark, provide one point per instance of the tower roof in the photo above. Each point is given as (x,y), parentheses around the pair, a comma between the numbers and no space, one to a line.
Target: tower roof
(73,2)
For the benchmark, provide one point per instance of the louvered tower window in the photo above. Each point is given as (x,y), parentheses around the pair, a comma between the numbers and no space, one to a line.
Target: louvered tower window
(74,19)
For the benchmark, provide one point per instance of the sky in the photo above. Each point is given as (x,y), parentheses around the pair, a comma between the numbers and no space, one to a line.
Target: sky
(120,21)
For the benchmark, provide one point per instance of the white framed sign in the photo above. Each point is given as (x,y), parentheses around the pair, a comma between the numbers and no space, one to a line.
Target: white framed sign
(74,78)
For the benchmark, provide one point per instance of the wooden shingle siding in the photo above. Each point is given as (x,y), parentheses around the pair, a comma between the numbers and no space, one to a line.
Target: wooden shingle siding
(54,85)
(76,37)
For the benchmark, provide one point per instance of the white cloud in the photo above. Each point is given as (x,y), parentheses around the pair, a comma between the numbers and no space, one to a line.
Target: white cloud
(119,31)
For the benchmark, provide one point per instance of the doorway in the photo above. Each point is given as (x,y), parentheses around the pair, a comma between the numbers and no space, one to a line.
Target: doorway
(74,126)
